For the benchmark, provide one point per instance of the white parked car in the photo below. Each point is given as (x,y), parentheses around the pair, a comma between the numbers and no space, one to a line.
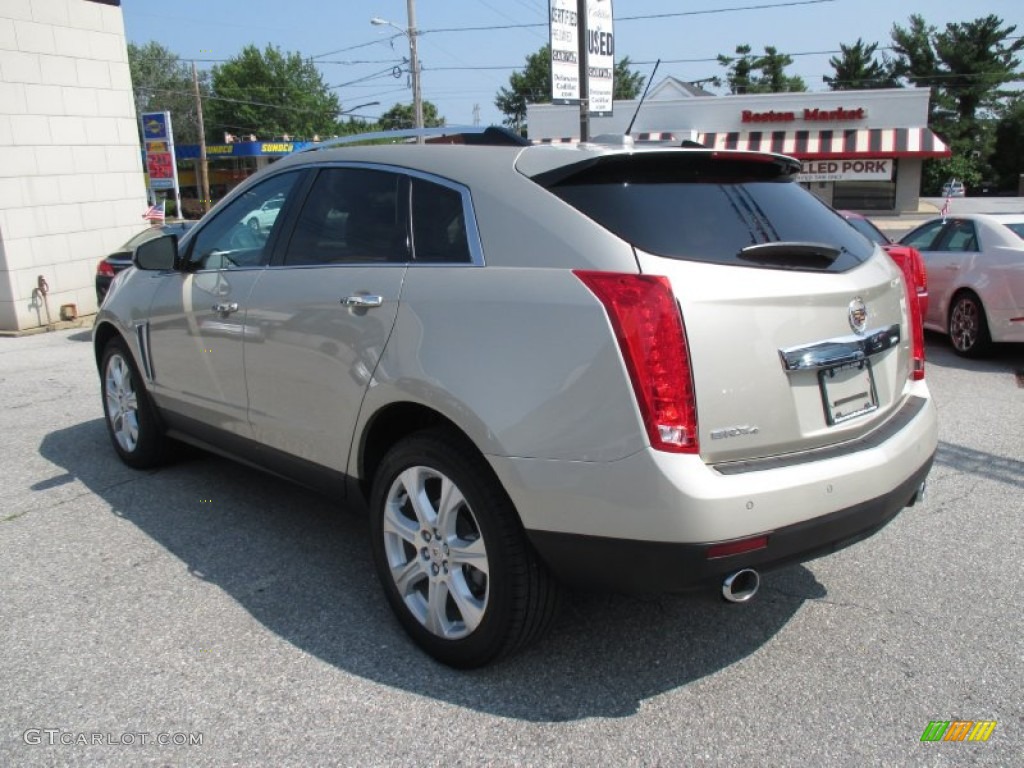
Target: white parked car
(261,219)
(975,266)
(953,188)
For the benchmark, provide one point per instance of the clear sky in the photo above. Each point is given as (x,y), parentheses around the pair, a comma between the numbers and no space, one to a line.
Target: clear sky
(463,69)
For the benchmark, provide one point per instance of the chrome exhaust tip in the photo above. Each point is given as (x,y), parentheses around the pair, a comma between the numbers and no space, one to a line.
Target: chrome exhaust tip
(918,495)
(739,587)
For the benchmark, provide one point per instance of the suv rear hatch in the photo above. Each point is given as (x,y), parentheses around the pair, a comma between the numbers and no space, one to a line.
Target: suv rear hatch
(796,325)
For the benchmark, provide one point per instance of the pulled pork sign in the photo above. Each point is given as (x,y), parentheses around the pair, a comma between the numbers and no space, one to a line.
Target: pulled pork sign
(879,169)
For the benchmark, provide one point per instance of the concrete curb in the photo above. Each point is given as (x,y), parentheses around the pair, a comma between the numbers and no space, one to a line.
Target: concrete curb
(85,321)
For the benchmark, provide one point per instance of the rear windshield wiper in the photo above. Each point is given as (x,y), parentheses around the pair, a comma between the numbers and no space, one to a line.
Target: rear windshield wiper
(791,255)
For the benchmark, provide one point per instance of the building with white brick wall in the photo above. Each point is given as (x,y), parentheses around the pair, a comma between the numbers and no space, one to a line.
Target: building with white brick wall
(71,179)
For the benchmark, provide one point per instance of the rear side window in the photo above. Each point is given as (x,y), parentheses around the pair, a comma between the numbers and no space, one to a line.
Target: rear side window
(439,224)
(959,236)
(706,213)
(1017,229)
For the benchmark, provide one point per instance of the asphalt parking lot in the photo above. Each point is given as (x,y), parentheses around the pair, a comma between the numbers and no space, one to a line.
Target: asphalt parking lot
(205,614)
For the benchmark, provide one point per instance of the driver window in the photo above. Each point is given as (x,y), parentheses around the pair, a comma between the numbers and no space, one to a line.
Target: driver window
(923,238)
(238,235)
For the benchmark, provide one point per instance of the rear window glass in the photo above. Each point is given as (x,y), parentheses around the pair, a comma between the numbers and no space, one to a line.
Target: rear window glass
(1017,229)
(710,217)
(869,230)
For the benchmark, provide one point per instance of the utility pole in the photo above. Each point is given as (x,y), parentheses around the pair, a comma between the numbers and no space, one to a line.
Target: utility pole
(417,97)
(581,16)
(204,168)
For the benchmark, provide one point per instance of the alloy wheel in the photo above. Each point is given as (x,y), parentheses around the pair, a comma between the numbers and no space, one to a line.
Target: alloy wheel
(435,553)
(122,403)
(965,324)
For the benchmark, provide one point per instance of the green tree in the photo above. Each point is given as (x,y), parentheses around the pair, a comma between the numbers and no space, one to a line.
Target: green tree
(162,82)
(1008,158)
(967,66)
(533,85)
(742,69)
(270,93)
(404,116)
(857,69)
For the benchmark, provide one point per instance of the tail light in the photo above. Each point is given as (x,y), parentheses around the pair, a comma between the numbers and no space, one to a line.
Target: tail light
(649,328)
(916,286)
(104,269)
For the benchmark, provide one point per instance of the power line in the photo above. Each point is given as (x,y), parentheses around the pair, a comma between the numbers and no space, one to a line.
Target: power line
(642,17)
(360,45)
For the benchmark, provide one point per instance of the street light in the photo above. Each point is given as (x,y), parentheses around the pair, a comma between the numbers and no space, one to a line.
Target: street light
(411,33)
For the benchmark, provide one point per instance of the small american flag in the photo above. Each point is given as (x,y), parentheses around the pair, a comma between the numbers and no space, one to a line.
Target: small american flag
(155,212)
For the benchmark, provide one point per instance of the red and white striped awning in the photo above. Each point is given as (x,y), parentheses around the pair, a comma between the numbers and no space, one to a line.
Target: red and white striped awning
(854,142)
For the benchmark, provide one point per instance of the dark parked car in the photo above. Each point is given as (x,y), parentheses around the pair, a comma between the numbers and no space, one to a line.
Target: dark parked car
(122,257)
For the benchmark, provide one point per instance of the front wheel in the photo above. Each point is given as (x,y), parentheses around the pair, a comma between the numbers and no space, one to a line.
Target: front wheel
(968,328)
(130,416)
(452,557)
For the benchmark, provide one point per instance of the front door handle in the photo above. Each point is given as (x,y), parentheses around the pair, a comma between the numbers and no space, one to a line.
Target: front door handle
(226,308)
(362,301)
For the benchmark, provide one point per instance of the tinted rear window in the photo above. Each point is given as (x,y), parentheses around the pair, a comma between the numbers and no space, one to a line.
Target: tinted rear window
(708,211)
(1017,229)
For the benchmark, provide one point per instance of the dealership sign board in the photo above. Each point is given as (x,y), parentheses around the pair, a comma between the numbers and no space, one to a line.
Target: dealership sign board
(565,51)
(600,57)
(879,169)
(581,31)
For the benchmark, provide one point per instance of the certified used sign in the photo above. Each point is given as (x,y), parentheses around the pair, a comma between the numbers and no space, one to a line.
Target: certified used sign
(600,57)
(565,51)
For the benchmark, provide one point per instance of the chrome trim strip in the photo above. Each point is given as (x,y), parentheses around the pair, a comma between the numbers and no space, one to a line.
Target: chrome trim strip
(839,351)
(896,423)
(142,336)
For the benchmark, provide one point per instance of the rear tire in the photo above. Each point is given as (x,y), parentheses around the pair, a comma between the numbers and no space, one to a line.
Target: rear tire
(130,415)
(451,554)
(968,327)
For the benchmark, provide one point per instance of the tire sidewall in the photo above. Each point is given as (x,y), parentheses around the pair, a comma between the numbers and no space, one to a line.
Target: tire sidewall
(981,338)
(488,503)
(149,446)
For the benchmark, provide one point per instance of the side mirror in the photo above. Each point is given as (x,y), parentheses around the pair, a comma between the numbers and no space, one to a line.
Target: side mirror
(157,255)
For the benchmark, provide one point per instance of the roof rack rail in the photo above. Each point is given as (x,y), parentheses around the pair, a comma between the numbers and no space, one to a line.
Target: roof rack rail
(447,134)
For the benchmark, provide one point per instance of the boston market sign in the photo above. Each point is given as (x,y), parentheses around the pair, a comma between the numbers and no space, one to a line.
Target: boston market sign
(839,115)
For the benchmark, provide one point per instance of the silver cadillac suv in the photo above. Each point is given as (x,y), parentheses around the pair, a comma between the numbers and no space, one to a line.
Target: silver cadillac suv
(623,367)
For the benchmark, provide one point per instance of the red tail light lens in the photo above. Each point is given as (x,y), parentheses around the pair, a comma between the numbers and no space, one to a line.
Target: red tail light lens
(104,268)
(920,279)
(649,328)
(737,547)
(913,283)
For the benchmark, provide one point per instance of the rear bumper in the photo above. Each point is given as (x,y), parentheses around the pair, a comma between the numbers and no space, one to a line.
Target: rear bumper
(628,565)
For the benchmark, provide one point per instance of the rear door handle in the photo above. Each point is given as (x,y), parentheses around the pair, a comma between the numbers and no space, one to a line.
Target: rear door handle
(226,308)
(362,301)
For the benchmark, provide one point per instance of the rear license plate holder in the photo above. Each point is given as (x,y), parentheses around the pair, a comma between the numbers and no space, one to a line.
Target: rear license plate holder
(848,391)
